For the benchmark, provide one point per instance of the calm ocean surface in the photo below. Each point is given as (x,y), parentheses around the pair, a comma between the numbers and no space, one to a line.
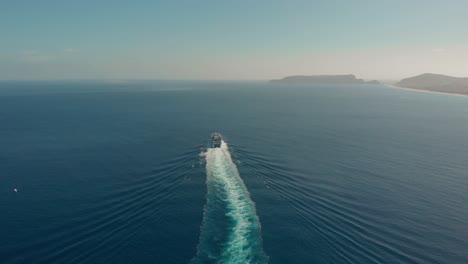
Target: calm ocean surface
(121,173)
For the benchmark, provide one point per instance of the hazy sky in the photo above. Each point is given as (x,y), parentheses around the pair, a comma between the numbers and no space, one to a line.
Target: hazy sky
(242,39)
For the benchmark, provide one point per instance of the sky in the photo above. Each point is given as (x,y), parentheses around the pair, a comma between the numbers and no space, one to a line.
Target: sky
(231,40)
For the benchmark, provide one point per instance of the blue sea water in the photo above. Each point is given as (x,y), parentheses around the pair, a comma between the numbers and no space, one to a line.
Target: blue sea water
(122,172)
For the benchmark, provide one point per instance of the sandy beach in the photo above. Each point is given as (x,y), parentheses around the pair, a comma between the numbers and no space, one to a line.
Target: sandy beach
(423,91)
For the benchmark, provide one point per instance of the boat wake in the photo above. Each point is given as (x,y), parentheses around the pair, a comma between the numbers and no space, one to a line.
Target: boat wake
(230,231)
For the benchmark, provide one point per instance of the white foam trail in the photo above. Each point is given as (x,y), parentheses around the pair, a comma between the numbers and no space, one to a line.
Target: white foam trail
(243,243)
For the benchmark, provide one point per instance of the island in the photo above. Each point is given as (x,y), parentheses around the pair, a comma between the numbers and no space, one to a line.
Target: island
(436,83)
(323,79)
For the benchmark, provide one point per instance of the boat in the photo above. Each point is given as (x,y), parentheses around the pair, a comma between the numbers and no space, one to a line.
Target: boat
(216,139)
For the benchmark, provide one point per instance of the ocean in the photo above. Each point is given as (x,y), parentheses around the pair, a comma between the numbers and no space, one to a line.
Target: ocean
(123,172)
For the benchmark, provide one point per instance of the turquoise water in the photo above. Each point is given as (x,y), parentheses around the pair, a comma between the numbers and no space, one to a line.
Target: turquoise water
(123,173)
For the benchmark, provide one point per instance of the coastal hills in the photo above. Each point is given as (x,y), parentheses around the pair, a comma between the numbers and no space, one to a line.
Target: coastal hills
(427,82)
(436,83)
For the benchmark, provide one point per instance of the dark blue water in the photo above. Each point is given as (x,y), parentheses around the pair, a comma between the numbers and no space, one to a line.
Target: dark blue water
(121,173)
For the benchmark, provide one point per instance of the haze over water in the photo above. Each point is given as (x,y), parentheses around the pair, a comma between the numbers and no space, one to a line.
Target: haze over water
(112,173)
(231,40)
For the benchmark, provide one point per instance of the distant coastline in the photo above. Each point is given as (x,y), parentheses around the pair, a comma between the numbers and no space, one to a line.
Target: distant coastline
(323,79)
(393,86)
(436,83)
(427,82)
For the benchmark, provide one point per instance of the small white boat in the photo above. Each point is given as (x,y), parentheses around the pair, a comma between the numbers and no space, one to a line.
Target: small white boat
(216,139)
